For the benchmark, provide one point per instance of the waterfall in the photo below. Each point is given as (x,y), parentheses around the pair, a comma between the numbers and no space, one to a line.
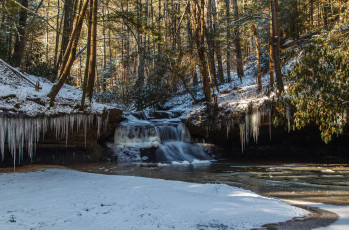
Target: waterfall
(24,133)
(171,139)
(176,146)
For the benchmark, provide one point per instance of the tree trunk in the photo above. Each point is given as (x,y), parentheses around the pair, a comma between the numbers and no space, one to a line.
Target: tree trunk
(227,5)
(210,42)
(326,16)
(255,35)
(199,21)
(68,20)
(271,53)
(70,52)
(57,33)
(190,45)
(237,42)
(93,54)
(276,45)
(20,38)
(217,43)
(88,54)
(312,14)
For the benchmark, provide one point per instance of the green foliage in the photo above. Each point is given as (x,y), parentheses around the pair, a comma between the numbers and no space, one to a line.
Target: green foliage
(158,88)
(320,84)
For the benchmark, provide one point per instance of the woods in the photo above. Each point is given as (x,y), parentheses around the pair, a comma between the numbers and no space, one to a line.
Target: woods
(142,52)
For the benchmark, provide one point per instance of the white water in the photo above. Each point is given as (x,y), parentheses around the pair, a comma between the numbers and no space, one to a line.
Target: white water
(24,133)
(172,140)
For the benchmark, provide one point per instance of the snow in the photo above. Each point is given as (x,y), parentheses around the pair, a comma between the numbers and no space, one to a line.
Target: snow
(17,95)
(235,96)
(66,199)
(25,115)
(342,211)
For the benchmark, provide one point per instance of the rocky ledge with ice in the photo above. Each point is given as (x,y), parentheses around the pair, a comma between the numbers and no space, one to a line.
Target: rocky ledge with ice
(31,130)
(243,125)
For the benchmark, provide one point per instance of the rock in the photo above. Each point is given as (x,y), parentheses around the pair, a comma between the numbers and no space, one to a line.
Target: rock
(223,130)
(77,148)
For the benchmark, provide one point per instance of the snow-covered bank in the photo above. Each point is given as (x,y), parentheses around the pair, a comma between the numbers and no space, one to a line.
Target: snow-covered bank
(26,117)
(18,95)
(342,211)
(65,199)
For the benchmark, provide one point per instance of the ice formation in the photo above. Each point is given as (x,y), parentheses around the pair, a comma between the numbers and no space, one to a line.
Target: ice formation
(250,126)
(24,133)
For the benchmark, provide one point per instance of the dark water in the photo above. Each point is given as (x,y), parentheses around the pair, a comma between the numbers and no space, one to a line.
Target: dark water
(315,180)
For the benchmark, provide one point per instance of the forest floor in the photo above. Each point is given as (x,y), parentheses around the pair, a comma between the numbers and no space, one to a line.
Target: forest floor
(233,96)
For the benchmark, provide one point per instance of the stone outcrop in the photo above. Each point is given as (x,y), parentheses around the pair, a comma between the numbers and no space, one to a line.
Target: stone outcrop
(262,139)
(77,146)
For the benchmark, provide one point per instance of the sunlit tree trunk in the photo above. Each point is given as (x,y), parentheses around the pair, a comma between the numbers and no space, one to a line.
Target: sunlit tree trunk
(276,45)
(271,49)
(70,52)
(199,31)
(93,54)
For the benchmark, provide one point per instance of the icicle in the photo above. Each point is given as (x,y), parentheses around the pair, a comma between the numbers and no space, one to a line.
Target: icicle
(256,122)
(242,135)
(20,133)
(99,125)
(250,127)
(3,129)
(269,121)
(247,128)
(288,117)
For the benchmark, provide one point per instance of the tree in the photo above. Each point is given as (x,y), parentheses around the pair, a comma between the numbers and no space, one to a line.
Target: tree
(20,38)
(276,45)
(237,42)
(70,52)
(320,89)
(93,50)
(255,35)
(227,5)
(199,32)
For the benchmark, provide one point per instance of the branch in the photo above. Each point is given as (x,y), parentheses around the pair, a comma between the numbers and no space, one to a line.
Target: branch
(83,48)
(17,72)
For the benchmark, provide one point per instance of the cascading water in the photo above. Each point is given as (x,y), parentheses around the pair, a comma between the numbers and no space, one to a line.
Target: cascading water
(176,146)
(171,139)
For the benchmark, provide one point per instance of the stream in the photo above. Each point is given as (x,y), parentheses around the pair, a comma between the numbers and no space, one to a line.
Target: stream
(309,182)
(158,145)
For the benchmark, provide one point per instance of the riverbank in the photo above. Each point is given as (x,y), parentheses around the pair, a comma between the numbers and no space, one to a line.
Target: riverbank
(331,215)
(67,199)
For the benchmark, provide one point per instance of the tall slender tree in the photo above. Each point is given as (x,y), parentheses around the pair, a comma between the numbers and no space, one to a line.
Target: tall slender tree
(93,50)
(276,45)
(237,42)
(20,38)
(70,52)
(227,6)
(199,31)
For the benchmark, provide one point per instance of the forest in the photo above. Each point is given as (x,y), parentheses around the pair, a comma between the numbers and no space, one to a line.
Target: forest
(174,114)
(140,53)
